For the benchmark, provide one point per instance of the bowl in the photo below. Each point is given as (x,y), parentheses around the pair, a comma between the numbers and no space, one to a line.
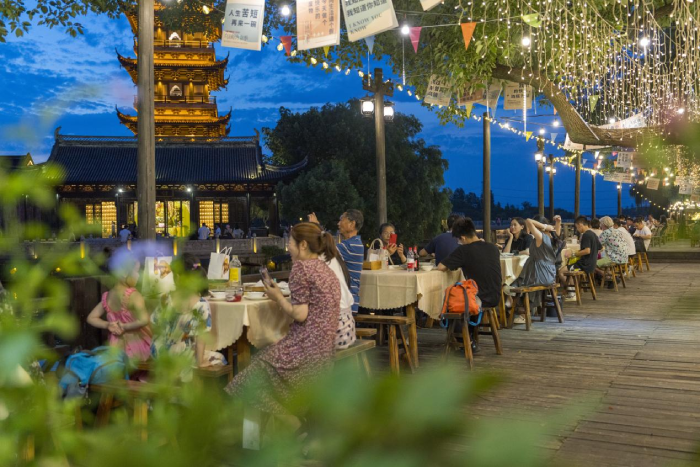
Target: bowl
(427,267)
(217,295)
(255,295)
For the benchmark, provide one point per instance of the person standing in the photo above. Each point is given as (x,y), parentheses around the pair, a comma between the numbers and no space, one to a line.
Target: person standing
(217,231)
(204,232)
(444,244)
(124,234)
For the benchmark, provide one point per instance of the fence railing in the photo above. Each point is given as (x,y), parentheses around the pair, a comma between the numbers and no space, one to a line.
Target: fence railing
(161,99)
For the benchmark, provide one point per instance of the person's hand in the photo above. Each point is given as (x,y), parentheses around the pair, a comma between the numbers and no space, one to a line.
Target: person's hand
(400,250)
(273,291)
(557,219)
(115,328)
(567,254)
(510,232)
(391,248)
(312,218)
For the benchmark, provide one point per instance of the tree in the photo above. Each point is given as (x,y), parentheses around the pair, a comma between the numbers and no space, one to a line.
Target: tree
(339,145)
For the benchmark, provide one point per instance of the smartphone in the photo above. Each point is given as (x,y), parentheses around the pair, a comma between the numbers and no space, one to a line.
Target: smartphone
(393,239)
(267,280)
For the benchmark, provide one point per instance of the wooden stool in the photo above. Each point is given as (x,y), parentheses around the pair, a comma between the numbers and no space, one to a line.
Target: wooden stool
(136,392)
(526,291)
(587,281)
(361,333)
(621,269)
(643,257)
(451,342)
(631,265)
(358,350)
(610,269)
(575,275)
(553,292)
(489,322)
(392,323)
(502,319)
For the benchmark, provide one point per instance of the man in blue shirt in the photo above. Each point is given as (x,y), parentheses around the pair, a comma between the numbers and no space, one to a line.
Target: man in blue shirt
(444,244)
(351,249)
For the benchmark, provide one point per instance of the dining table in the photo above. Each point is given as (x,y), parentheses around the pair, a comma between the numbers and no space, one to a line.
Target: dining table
(392,288)
(511,267)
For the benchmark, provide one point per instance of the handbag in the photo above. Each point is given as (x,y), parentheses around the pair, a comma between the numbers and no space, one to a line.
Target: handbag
(376,257)
(219,265)
(158,278)
(639,245)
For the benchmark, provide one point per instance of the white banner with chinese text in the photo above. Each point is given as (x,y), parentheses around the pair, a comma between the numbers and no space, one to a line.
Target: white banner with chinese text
(318,23)
(242,28)
(364,18)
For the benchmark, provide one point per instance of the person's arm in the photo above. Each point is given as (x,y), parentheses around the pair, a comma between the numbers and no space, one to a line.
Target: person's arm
(402,256)
(95,320)
(509,243)
(535,229)
(299,313)
(557,225)
(199,352)
(452,262)
(138,305)
(429,249)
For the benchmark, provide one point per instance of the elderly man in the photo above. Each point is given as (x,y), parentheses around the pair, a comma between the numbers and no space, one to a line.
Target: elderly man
(629,241)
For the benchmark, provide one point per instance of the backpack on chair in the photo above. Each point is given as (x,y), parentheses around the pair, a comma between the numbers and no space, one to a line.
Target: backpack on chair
(462,298)
(97,366)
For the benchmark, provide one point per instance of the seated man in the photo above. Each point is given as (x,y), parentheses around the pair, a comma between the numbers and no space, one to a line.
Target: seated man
(643,233)
(614,244)
(478,260)
(590,245)
(444,244)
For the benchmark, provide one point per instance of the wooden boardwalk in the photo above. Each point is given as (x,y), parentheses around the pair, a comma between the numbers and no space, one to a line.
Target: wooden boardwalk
(625,371)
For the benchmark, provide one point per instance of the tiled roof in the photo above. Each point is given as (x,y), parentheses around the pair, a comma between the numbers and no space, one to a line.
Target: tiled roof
(112,160)
(16,162)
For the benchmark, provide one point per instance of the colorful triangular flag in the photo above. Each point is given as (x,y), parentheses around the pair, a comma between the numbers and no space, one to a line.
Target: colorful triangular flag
(414,34)
(469,109)
(555,110)
(467,32)
(326,49)
(554,136)
(287,43)
(532,20)
(528,135)
(592,101)
(370,43)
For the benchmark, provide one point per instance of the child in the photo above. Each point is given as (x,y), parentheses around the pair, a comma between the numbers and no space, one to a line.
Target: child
(127,318)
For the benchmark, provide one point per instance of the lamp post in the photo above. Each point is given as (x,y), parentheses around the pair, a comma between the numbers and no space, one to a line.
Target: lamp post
(577,187)
(487,179)
(593,195)
(619,199)
(146,152)
(540,159)
(379,88)
(552,170)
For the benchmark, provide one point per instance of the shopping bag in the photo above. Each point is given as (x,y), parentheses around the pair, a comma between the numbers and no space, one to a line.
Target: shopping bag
(158,275)
(219,265)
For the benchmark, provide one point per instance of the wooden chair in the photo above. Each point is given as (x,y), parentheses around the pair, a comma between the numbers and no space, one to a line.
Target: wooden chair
(451,342)
(489,325)
(575,277)
(135,392)
(358,350)
(393,323)
(526,291)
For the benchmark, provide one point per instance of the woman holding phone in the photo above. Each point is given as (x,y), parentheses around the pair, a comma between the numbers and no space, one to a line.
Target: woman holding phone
(387,233)
(280,370)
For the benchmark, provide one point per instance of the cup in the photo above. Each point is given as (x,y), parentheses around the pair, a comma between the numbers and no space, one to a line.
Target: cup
(230,294)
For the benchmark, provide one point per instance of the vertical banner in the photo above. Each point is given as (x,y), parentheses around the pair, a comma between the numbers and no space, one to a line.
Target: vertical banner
(515,95)
(429,4)
(480,95)
(624,159)
(364,18)
(318,23)
(439,92)
(242,28)
(686,188)
(653,184)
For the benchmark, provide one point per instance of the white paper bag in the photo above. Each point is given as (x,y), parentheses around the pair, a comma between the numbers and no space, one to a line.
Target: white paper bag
(158,276)
(219,265)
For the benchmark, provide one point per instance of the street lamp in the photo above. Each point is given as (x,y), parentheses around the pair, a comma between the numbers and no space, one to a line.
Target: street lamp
(376,85)
(552,170)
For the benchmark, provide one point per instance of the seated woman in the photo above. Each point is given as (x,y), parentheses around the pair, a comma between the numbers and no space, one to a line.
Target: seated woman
(281,369)
(396,252)
(179,323)
(127,318)
(540,269)
(345,334)
(518,238)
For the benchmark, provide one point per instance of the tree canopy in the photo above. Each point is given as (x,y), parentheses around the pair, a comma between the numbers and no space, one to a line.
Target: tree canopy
(339,144)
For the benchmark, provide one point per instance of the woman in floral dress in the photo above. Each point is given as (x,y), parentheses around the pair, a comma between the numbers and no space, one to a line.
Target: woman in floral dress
(307,350)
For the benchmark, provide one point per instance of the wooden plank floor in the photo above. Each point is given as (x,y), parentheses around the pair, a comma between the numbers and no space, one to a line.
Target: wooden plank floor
(627,366)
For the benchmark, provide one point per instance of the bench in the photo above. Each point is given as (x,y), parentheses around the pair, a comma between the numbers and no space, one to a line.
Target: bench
(393,323)
(134,391)
(358,350)
(361,333)
(451,342)
(489,324)
(526,291)
(215,371)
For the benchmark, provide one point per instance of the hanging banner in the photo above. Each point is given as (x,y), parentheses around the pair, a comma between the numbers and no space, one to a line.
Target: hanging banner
(626,178)
(624,159)
(696,190)
(635,121)
(364,18)
(318,23)
(287,44)
(514,96)
(467,97)
(528,135)
(554,136)
(439,92)
(414,34)
(653,184)
(490,98)
(429,4)
(685,189)
(571,146)
(592,101)
(242,28)
(467,33)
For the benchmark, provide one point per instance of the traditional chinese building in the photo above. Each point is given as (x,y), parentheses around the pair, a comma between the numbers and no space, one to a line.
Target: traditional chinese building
(186,73)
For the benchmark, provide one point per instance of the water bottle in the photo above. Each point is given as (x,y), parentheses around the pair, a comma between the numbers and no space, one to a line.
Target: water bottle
(410,261)
(234,276)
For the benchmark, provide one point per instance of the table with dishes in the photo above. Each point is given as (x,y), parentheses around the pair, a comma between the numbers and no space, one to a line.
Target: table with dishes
(386,289)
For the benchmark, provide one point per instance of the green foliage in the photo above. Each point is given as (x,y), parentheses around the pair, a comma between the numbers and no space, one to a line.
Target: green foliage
(340,146)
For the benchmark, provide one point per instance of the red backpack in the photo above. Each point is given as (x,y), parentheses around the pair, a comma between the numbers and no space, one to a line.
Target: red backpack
(462,297)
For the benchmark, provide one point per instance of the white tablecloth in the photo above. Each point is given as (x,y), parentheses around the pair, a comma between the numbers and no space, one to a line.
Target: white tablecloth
(395,288)
(265,321)
(511,266)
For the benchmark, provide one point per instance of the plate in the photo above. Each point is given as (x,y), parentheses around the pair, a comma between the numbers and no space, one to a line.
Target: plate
(506,254)
(212,299)
(264,297)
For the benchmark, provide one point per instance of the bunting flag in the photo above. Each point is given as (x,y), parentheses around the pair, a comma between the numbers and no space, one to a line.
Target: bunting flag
(528,135)
(592,101)
(326,49)
(370,43)
(467,32)
(532,20)
(414,34)
(469,107)
(554,136)
(287,43)
(555,110)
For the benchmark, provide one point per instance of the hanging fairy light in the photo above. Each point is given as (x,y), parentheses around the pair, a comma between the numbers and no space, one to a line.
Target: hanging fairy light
(405,30)
(285,10)
(525,41)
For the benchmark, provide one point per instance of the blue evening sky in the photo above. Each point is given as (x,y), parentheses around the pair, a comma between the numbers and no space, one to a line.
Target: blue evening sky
(51,79)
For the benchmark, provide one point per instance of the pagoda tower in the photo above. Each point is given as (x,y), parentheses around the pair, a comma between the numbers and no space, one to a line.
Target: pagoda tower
(186,72)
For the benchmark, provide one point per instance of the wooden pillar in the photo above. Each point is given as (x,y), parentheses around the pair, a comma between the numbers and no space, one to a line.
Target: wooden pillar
(381,147)
(592,196)
(540,158)
(551,187)
(487,179)
(247,210)
(619,199)
(146,165)
(577,187)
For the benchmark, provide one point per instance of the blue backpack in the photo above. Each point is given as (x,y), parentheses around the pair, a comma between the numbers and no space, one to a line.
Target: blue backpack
(97,366)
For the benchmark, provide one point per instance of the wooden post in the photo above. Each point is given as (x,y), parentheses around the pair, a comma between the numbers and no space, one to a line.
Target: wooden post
(551,187)
(487,179)
(619,199)
(540,178)
(577,187)
(592,196)
(146,165)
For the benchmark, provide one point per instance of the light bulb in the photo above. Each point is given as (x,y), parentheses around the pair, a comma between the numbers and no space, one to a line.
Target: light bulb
(206,9)
(555,123)
(612,120)
(541,131)
(405,30)
(644,42)
(285,10)
(680,111)
(525,41)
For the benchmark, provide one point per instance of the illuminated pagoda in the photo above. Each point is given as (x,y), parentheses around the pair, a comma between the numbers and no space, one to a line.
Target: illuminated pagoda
(186,73)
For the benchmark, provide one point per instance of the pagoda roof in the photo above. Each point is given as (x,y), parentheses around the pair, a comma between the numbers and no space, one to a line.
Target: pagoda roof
(220,120)
(128,63)
(16,162)
(86,160)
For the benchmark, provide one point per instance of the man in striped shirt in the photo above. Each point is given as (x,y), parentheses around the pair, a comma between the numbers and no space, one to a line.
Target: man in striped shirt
(351,249)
